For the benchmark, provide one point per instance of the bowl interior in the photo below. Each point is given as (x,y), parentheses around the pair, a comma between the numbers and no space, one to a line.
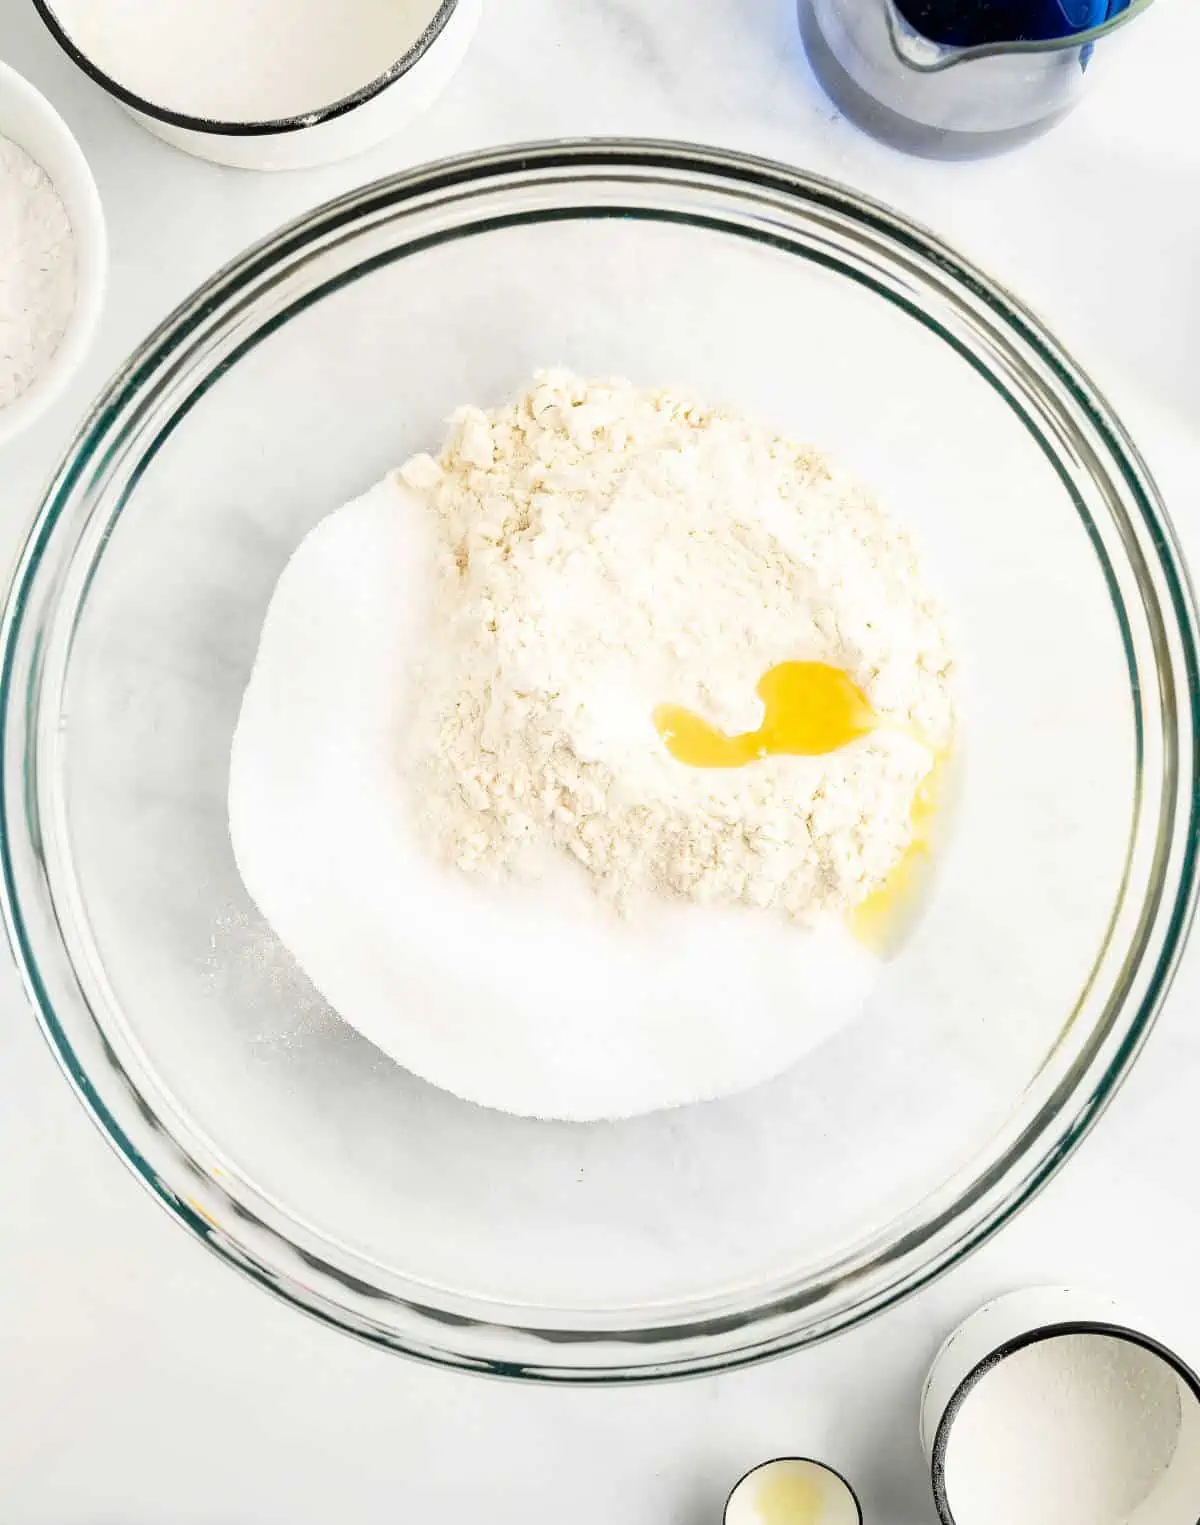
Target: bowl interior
(260,65)
(320,379)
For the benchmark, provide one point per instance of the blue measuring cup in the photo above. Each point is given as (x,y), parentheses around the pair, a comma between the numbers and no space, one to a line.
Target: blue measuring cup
(958,78)
(976,23)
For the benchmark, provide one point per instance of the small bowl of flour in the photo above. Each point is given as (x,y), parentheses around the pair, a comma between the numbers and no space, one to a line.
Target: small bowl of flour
(53,254)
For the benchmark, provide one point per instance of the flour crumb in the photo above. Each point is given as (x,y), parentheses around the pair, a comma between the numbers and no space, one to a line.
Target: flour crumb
(602,549)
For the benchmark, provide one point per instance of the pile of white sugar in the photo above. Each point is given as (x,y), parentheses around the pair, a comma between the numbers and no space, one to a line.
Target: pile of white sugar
(37,271)
(458,671)
(602,550)
(1078,1429)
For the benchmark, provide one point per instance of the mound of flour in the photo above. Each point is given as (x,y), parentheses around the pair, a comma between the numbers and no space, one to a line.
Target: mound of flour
(603,549)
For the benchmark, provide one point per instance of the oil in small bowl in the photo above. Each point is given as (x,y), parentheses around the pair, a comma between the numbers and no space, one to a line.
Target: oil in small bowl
(793,1490)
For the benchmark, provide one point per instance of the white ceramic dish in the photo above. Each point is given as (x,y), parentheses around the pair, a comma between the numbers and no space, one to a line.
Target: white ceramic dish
(1012,1323)
(793,1488)
(347,124)
(28,119)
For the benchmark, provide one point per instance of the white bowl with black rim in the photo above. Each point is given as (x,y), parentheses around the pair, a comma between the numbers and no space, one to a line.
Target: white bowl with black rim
(268,84)
(1129,1387)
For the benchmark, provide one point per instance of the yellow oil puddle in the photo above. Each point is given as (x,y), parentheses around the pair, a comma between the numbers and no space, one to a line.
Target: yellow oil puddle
(809,709)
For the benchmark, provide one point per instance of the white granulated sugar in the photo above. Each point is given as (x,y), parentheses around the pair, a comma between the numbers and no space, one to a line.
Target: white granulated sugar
(603,550)
(540,1000)
(37,271)
(1073,1430)
(458,671)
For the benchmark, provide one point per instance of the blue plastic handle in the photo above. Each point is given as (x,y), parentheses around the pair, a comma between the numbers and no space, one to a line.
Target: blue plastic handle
(1082,15)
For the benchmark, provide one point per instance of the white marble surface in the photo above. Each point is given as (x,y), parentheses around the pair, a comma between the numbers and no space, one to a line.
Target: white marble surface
(142,1382)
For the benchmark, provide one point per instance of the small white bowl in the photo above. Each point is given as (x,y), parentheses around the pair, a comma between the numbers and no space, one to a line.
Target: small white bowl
(347,124)
(1011,1324)
(793,1490)
(29,120)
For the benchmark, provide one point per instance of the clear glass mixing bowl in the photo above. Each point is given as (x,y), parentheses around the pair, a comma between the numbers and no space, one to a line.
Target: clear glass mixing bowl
(682,1241)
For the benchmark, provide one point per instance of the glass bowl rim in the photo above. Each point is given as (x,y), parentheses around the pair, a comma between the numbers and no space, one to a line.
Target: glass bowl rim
(662,1349)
